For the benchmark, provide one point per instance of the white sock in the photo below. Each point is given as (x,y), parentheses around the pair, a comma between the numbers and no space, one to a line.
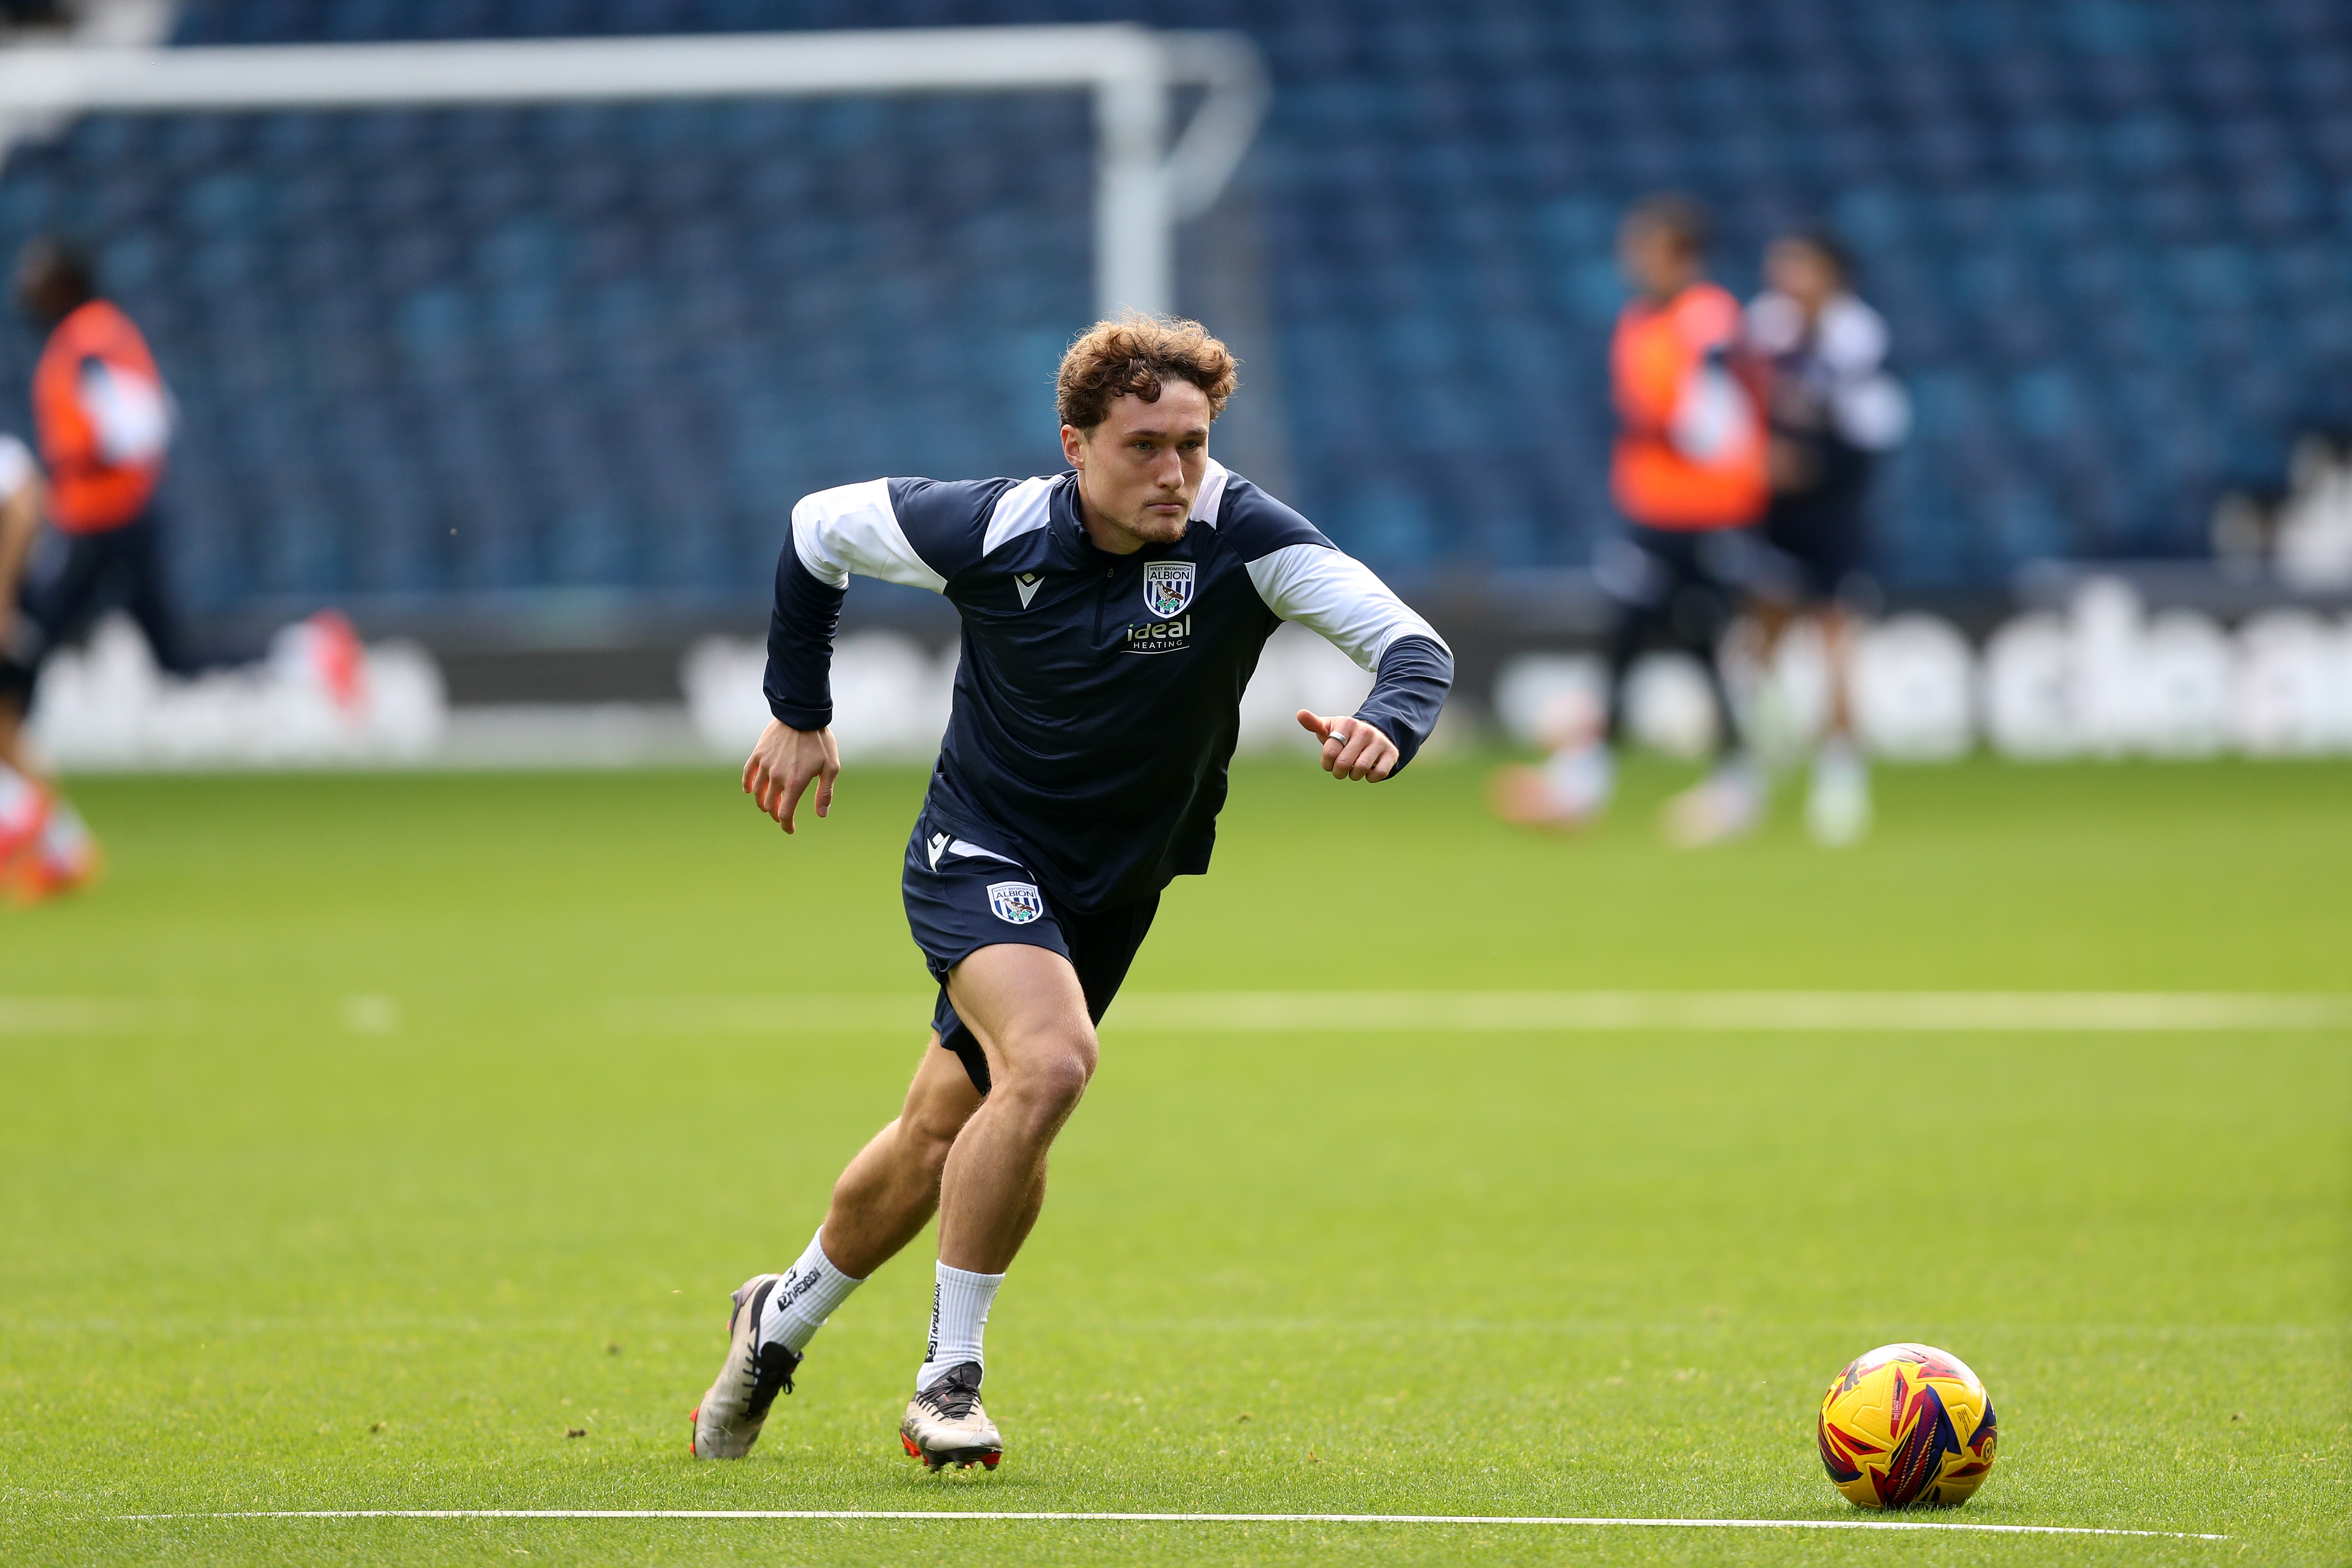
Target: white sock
(804,1298)
(960,1304)
(21,805)
(1581,776)
(64,833)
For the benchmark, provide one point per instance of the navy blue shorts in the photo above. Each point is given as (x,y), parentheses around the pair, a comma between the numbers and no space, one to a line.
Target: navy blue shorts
(962,896)
(1820,538)
(74,576)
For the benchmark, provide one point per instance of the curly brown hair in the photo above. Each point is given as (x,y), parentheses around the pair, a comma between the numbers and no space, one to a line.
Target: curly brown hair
(1134,355)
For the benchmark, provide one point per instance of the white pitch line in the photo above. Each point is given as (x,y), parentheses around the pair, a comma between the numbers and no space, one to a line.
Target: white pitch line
(911,1513)
(1541,1012)
(74,1016)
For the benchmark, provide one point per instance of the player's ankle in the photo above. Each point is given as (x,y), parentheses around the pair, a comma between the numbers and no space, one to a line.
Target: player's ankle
(960,1300)
(804,1298)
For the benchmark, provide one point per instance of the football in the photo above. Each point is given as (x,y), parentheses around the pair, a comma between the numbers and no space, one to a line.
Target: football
(1907,1425)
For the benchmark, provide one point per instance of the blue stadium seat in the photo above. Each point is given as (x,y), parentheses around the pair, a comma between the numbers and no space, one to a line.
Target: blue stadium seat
(2088,225)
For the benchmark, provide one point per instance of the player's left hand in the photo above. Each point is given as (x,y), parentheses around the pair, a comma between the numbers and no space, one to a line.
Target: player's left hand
(1351,748)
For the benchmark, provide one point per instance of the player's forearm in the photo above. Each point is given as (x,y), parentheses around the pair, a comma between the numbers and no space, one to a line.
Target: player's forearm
(1414,677)
(799,685)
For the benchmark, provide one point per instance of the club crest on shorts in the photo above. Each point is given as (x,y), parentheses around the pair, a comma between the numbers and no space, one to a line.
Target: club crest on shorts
(1017,904)
(1167,588)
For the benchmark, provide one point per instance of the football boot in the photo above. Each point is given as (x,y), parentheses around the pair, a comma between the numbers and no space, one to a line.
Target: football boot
(1728,803)
(728,1421)
(23,813)
(62,859)
(945,1425)
(1569,791)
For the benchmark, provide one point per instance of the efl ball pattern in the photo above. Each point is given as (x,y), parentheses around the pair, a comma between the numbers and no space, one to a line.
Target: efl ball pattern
(1907,1425)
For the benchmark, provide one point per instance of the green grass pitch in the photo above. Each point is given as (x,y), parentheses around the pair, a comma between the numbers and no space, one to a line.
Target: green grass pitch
(327,1179)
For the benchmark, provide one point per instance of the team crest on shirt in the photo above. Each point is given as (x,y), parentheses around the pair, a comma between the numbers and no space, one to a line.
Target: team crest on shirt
(1015,903)
(1167,588)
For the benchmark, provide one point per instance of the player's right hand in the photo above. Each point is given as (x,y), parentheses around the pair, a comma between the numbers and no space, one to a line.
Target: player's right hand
(782,765)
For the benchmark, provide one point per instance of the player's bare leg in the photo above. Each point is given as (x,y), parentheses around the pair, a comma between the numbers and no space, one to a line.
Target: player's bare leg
(14,755)
(1025,1006)
(1755,642)
(44,848)
(1838,809)
(23,795)
(981,1161)
(889,1191)
(1837,649)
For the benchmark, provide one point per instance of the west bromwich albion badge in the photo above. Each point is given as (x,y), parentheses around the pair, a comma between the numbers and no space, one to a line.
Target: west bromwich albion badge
(1016,902)
(1167,588)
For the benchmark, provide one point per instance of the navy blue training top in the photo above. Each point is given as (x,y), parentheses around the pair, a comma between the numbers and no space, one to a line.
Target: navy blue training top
(1099,697)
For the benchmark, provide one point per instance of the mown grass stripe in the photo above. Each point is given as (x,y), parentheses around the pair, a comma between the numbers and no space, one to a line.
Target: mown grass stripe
(1476,1012)
(1079,1518)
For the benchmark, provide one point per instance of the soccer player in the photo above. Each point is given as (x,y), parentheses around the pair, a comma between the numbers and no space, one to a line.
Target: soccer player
(1832,409)
(1689,473)
(103,420)
(44,847)
(1112,614)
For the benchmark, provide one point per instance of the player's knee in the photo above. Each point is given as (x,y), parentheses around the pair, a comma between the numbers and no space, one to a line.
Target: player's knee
(1048,1072)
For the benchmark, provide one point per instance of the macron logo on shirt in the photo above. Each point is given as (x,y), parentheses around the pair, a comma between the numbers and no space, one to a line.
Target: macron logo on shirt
(1026,585)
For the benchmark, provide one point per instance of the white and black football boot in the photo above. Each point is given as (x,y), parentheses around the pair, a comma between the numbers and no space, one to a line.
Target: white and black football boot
(945,1425)
(728,1421)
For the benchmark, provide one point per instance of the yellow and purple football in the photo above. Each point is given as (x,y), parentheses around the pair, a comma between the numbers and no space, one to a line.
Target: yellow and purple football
(1907,1425)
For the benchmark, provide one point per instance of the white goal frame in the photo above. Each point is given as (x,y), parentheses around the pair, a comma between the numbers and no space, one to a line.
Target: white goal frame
(1143,186)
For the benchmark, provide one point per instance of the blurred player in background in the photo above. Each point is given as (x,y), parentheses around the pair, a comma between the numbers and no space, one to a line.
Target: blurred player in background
(103,420)
(1833,407)
(44,847)
(103,417)
(1688,472)
(1111,616)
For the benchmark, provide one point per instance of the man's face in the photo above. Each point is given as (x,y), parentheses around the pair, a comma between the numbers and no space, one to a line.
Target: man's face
(1654,259)
(1139,470)
(1801,271)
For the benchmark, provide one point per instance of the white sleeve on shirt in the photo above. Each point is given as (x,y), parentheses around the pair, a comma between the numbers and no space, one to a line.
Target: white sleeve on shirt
(1869,407)
(851,529)
(1874,414)
(16,466)
(1776,323)
(133,412)
(1337,597)
(1851,337)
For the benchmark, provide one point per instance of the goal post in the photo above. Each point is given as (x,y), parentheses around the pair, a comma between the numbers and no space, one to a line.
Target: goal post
(1145,183)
